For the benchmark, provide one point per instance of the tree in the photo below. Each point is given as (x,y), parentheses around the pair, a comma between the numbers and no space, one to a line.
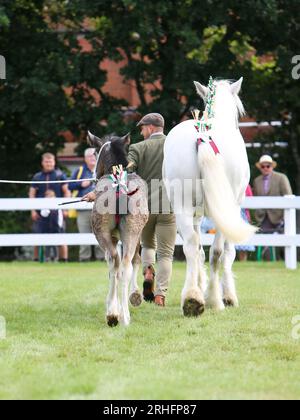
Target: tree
(170,44)
(47,91)
(53,86)
(272,92)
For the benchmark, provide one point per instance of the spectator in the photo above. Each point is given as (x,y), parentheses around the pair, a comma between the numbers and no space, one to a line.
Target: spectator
(48,174)
(244,249)
(51,221)
(270,184)
(80,189)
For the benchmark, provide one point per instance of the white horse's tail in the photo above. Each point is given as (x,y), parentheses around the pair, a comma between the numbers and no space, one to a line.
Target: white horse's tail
(220,202)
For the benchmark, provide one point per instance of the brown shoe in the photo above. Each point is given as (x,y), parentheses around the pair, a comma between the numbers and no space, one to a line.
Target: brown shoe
(148,286)
(160,300)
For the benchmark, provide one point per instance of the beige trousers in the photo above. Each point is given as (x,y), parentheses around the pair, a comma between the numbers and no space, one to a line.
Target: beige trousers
(158,239)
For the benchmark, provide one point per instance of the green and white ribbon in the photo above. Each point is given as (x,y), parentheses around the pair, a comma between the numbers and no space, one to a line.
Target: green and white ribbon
(211,98)
(120,181)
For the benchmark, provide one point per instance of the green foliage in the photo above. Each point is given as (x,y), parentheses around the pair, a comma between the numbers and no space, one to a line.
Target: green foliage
(169,44)
(48,89)
(211,36)
(166,45)
(4,21)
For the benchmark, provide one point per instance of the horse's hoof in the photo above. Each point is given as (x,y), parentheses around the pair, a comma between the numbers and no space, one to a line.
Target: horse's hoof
(112,320)
(136,299)
(228,302)
(193,307)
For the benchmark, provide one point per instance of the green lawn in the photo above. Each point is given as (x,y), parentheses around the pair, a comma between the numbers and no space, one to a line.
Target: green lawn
(59,347)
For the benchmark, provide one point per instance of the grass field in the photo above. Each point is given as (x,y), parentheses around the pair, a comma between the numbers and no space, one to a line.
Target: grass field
(59,347)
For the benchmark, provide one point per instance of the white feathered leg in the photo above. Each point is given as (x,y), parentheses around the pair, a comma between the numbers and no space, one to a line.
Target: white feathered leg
(135,297)
(203,280)
(112,312)
(126,276)
(229,290)
(129,249)
(192,299)
(214,298)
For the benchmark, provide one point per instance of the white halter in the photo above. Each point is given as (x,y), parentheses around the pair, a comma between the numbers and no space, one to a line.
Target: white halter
(99,154)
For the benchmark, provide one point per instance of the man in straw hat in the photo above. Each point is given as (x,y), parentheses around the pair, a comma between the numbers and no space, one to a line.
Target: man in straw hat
(270,184)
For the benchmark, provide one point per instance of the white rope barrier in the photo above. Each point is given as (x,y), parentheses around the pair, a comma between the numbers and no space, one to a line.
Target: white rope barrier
(66,181)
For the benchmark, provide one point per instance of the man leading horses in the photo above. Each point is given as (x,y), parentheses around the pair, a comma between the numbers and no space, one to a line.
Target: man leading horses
(159,235)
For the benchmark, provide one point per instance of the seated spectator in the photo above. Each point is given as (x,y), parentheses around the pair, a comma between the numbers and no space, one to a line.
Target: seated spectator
(270,184)
(80,189)
(244,249)
(49,173)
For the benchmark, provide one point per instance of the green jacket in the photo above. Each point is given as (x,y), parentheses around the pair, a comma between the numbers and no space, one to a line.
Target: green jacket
(147,158)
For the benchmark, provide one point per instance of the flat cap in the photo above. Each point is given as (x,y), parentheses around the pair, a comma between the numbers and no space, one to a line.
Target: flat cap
(152,119)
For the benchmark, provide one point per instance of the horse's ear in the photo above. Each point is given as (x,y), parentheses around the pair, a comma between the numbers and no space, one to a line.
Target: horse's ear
(126,139)
(201,90)
(236,87)
(93,141)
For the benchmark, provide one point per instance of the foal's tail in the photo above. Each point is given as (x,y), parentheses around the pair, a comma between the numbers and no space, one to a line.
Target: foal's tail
(220,202)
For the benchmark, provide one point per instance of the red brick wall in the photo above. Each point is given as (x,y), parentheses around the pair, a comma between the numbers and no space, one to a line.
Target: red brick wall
(120,88)
(116,85)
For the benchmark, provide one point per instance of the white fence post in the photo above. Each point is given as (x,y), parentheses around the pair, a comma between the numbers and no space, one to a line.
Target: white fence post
(290,230)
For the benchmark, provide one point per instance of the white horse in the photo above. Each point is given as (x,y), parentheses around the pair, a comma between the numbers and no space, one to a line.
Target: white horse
(217,156)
